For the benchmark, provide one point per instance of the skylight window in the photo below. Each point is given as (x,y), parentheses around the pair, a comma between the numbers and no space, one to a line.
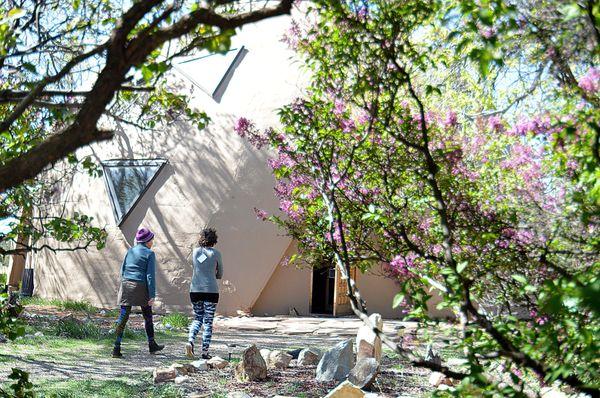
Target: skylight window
(127,180)
(211,72)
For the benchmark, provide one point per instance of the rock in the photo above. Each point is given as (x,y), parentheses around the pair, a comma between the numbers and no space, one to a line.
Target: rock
(200,365)
(336,363)
(436,379)
(295,353)
(183,369)
(551,392)
(264,352)
(102,312)
(238,394)
(293,363)
(252,367)
(161,375)
(346,390)
(181,379)
(217,363)
(432,356)
(309,357)
(3,338)
(39,334)
(278,360)
(368,344)
(364,373)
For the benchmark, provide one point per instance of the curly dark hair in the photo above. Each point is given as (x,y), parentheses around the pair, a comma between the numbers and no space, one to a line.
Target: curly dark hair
(208,237)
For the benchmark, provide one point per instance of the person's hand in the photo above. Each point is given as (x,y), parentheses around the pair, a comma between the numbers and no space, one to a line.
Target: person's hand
(151,302)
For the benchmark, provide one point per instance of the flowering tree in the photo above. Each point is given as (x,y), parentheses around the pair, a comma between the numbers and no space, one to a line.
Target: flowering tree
(390,158)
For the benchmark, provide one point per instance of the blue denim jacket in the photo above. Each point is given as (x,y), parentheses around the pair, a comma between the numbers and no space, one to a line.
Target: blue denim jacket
(139,264)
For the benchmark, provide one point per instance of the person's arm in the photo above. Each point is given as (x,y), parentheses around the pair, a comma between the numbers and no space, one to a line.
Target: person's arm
(219,266)
(150,275)
(123,265)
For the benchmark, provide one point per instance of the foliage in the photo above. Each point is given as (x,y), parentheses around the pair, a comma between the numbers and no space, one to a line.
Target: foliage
(176,320)
(10,309)
(414,150)
(21,388)
(73,328)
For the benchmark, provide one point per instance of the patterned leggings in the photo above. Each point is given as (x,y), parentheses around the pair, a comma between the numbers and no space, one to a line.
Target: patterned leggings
(204,313)
(124,317)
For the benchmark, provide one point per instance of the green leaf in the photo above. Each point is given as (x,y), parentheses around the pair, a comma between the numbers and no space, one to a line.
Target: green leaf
(16,13)
(520,278)
(461,266)
(397,300)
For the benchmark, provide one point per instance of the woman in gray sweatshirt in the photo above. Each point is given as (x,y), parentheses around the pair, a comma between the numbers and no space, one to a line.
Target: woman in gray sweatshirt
(204,290)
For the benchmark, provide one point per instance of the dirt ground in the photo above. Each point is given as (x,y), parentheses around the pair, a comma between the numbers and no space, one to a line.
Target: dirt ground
(53,358)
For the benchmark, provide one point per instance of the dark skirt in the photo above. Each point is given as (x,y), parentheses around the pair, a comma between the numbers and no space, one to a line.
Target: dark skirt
(133,293)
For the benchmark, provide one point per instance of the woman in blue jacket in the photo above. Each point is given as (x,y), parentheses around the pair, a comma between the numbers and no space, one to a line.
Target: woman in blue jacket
(138,288)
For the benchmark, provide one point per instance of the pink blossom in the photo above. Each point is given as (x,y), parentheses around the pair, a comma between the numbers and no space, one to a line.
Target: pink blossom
(339,107)
(488,33)
(451,119)
(347,125)
(590,82)
(242,126)
(261,214)
(495,124)
(292,36)
(401,265)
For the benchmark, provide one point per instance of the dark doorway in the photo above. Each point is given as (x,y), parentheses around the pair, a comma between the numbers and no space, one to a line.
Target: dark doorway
(323,284)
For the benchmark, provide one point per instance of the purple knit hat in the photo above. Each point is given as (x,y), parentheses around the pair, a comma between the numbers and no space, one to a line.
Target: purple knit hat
(144,235)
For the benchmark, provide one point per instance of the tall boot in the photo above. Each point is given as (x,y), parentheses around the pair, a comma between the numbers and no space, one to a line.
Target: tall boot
(153,347)
(116,352)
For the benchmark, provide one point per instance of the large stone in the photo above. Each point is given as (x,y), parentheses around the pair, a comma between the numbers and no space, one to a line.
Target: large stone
(238,394)
(181,379)
(161,375)
(364,373)
(264,352)
(336,363)
(252,366)
(217,363)
(368,344)
(437,379)
(432,356)
(309,357)
(278,360)
(346,390)
(200,365)
(183,369)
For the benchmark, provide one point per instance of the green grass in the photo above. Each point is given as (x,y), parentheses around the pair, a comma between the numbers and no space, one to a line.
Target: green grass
(66,305)
(176,319)
(2,278)
(114,388)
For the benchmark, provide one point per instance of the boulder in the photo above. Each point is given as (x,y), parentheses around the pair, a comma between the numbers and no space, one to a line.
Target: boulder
(364,373)
(437,379)
(252,366)
(432,356)
(181,379)
(368,344)
(265,354)
(346,390)
(161,375)
(278,360)
(309,357)
(183,369)
(238,394)
(217,363)
(336,363)
(200,365)
(295,353)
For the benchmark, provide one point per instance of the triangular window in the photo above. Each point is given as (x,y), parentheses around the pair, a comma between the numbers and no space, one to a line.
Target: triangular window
(127,180)
(211,72)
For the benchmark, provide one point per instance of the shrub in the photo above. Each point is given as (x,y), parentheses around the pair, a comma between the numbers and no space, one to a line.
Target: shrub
(177,320)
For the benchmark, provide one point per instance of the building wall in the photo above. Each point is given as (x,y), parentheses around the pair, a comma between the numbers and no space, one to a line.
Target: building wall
(213,178)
